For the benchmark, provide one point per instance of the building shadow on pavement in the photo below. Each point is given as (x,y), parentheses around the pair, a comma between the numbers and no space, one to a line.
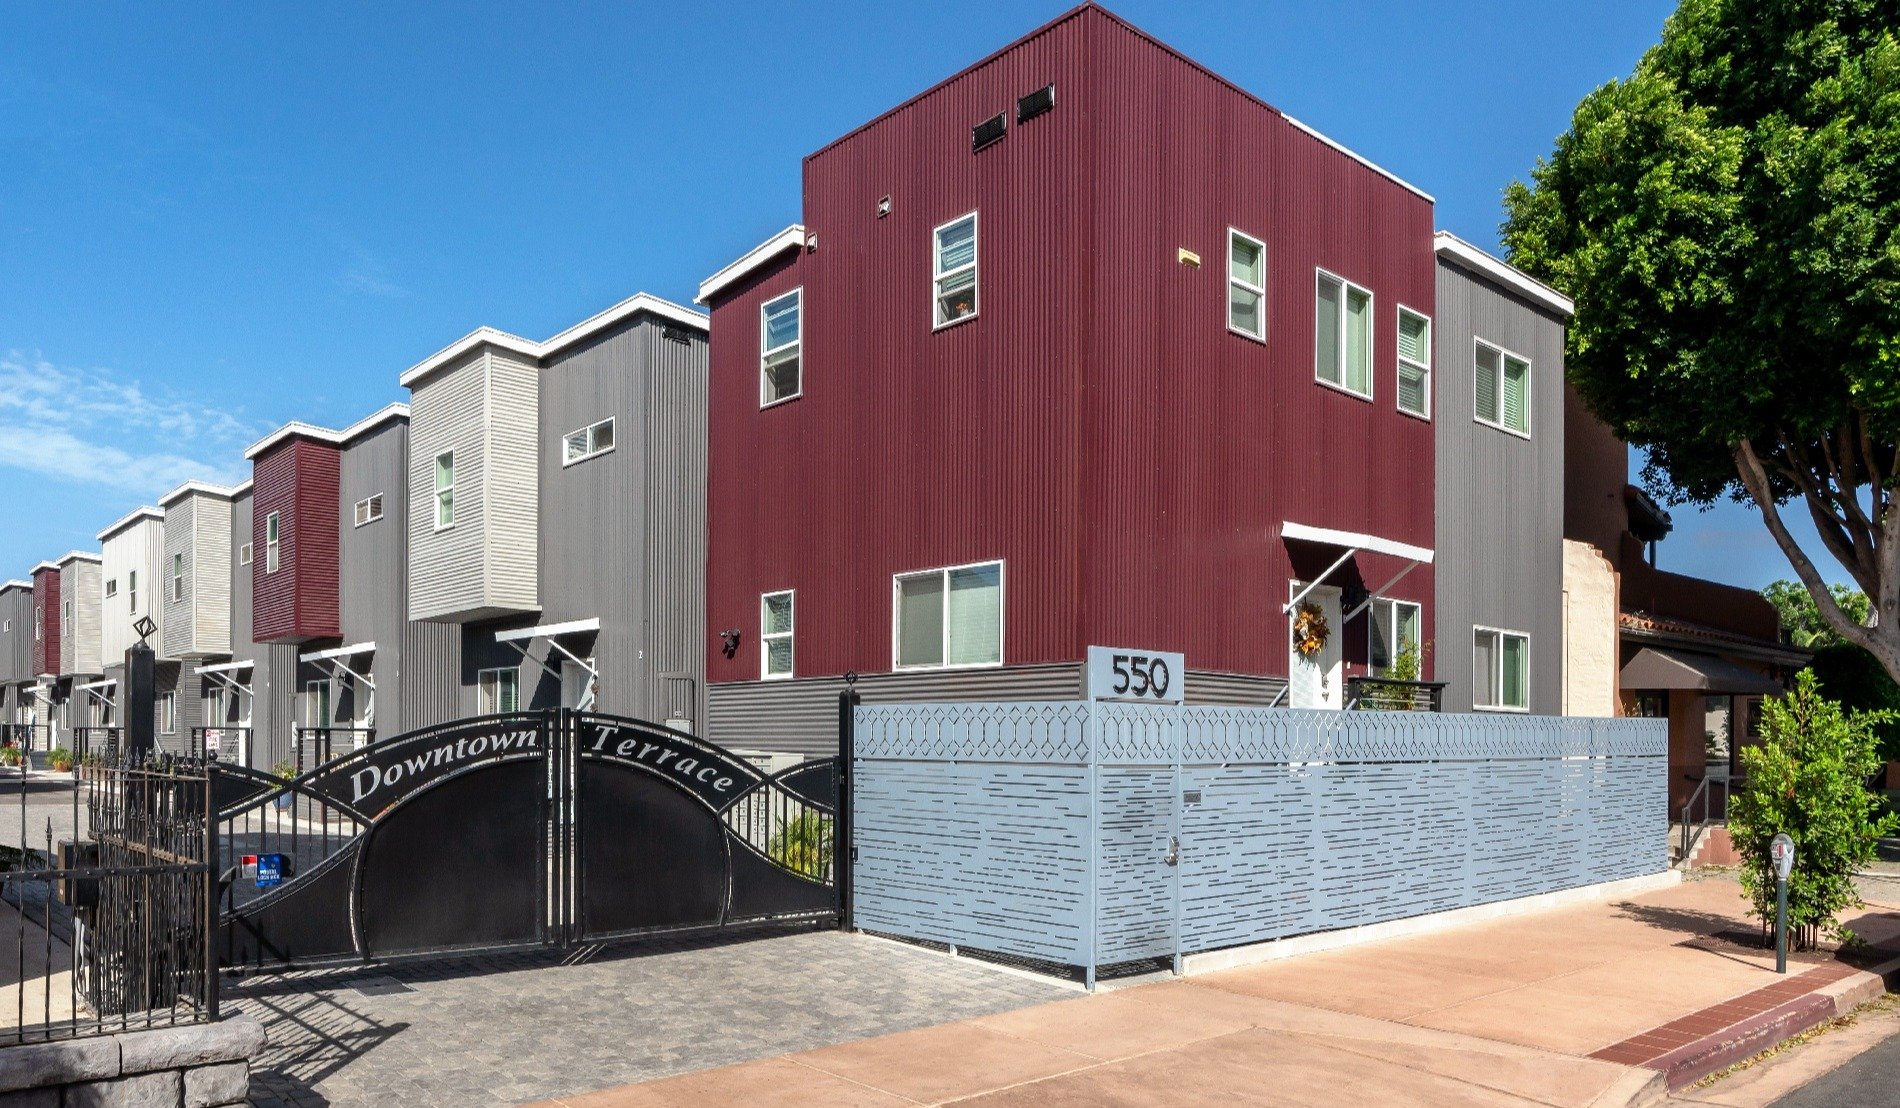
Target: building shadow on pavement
(313,1033)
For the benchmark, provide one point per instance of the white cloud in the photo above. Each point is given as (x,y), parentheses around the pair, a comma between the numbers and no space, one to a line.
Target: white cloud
(91,427)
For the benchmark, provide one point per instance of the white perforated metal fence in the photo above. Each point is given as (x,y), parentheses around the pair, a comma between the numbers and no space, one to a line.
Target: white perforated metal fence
(1094,834)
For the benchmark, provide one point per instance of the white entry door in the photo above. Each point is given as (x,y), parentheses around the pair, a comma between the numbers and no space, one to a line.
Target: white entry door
(1316,681)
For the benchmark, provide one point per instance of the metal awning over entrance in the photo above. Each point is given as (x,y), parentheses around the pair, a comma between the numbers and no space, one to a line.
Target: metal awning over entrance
(1659,668)
(523,637)
(225,675)
(340,661)
(99,690)
(1350,543)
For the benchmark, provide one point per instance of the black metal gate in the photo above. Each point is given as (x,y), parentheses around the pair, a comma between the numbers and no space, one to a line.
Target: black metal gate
(519,830)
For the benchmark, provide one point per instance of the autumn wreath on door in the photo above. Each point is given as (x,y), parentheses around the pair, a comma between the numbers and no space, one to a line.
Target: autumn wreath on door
(1309,629)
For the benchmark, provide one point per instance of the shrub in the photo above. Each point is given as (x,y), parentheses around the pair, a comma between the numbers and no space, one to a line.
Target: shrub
(60,759)
(803,845)
(1808,779)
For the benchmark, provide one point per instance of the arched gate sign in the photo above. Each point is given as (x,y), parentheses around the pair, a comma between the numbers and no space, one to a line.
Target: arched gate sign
(527,829)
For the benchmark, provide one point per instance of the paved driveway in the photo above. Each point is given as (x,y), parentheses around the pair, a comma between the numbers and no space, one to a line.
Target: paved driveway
(504,1030)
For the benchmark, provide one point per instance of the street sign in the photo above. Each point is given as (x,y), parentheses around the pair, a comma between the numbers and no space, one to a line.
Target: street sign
(1144,676)
(270,870)
(1781,849)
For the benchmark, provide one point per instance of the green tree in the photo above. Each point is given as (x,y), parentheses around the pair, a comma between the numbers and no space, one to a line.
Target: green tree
(1801,619)
(1807,779)
(1727,219)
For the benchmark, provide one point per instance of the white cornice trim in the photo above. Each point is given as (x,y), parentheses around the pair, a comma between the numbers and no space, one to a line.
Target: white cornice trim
(1363,160)
(189,487)
(632,305)
(1453,248)
(78,556)
(5,585)
(300,429)
(757,256)
(132,517)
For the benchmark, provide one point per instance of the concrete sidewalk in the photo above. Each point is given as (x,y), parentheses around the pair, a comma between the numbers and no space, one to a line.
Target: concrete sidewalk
(1592,1005)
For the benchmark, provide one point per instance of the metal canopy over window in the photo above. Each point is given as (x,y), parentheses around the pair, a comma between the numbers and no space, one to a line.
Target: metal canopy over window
(99,690)
(1658,668)
(1351,543)
(524,637)
(225,675)
(340,662)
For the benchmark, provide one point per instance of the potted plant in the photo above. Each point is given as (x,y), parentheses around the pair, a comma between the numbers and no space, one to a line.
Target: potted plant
(60,759)
(284,771)
(9,756)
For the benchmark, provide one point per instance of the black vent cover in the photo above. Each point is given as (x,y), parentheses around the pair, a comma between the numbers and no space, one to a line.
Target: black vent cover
(675,334)
(988,131)
(1036,103)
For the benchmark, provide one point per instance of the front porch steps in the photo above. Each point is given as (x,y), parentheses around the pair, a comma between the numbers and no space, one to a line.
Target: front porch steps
(1712,847)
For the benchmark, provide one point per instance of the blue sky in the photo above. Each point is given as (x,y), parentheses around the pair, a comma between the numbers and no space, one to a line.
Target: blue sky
(215,218)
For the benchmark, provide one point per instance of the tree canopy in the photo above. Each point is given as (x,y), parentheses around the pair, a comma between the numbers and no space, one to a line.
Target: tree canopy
(1727,219)
(1801,618)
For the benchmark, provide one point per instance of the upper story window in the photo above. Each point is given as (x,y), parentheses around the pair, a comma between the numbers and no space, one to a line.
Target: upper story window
(132,590)
(1415,363)
(168,713)
(588,442)
(445,490)
(781,338)
(1246,285)
(273,528)
(1501,388)
(1500,670)
(178,575)
(39,622)
(244,554)
(1395,633)
(953,269)
(369,509)
(112,588)
(949,617)
(66,612)
(1342,335)
(775,634)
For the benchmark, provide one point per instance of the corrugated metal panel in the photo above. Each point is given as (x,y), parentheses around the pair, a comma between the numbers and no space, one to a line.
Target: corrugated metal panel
(511,491)
(373,574)
(1233,688)
(297,481)
(1096,426)
(46,621)
(177,627)
(81,587)
(139,548)
(802,716)
(16,638)
(210,576)
(447,414)
(1500,497)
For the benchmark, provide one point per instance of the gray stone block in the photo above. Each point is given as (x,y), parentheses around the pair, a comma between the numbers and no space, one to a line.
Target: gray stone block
(146,1090)
(46,1097)
(230,1040)
(37,1064)
(213,1086)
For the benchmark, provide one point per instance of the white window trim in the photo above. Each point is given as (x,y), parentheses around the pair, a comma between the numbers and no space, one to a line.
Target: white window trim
(1346,287)
(1228,307)
(1498,677)
(496,709)
(1400,361)
(1002,616)
(1502,353)
(435,498)
(177,589)
(1372,625)
(112,588)
(244,554)
(765,638)
(368,510)
(590,452)
(168,713)
(799,342)
(976,273)
(272,546)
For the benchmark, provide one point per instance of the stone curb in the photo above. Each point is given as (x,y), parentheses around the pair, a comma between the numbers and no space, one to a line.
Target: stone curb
(72,1061)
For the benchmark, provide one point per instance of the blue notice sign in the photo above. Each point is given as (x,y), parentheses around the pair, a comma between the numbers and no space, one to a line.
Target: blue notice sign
(270,870)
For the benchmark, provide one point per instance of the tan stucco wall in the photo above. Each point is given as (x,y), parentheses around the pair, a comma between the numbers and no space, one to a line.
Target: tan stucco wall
(1590,632)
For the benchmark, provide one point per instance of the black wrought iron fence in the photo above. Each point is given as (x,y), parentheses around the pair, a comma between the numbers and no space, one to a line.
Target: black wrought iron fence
(317,745)
(26,737)
(97,743)
(1387,694)
(110,894)
(220,744)
(791,820)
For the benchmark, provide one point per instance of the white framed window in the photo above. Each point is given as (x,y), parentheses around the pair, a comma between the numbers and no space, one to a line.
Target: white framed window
(244,554)
(6,627)
(1500,670)
(66,613)
(1246,285)
(445,490)
(953,271)
(498,690)
(948,617)
(1415,363)
(1342,335)
(39,622)
(1501,388)
(781,347)
(168,713)
(369,509)
(132,590)
(112,588)
(775,635)
(590,441)
(273,540)
(1395,626)
(316,704)
(178,576)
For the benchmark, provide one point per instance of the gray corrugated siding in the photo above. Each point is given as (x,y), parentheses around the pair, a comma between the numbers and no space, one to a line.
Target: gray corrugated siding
(1500,498)
(16,640)
(139,547)
(1233,688)
(199,527)
(81,584)
(510,491)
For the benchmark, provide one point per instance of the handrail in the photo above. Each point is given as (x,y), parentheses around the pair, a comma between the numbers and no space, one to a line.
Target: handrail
(1693,828)
(1394,694)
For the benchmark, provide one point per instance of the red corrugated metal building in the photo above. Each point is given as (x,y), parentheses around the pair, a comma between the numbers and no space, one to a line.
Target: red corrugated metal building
(46,617)
(1096,425)
(295,529)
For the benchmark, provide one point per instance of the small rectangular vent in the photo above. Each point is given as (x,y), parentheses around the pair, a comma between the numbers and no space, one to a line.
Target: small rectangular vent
(989,131)
(675,334)
(1036,103)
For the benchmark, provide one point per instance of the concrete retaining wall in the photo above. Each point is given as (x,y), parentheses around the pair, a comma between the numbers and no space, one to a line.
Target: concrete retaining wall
(203,1066)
